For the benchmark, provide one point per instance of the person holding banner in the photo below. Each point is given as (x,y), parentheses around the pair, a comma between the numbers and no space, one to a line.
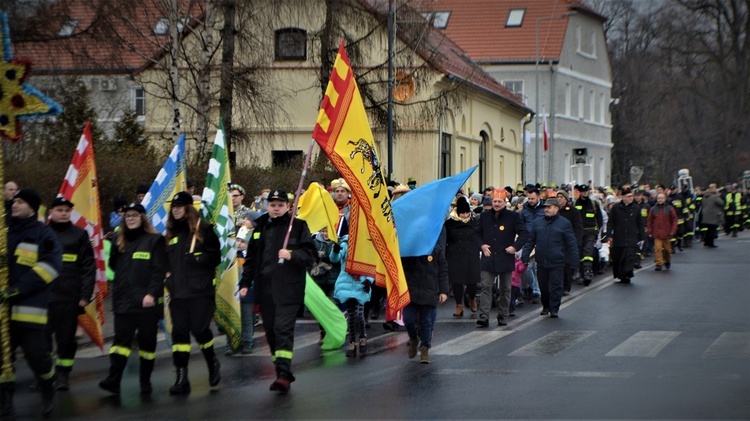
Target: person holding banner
(279,273)
(72,291)
(194,253)
(138,257)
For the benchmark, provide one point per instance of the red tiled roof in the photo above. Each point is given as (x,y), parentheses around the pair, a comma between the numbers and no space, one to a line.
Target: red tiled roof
(478,26)
(443,54)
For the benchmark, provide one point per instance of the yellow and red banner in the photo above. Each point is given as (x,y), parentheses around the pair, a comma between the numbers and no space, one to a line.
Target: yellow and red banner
(343,133)
(81,187)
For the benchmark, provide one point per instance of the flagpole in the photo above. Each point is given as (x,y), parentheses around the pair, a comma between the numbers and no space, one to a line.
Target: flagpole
(297,195)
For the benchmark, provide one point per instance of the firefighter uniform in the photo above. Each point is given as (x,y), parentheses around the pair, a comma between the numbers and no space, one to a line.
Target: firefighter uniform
(591,216)
(676,199)
(689,213)
(140,267)
(698,217)
(279,288)
(644,207)
(34,262)
(75,284)
(192,267)
(733,210)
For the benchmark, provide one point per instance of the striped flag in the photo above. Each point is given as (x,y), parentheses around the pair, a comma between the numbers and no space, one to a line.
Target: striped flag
(81,187)
(170,181)
(343,133)
(216,208)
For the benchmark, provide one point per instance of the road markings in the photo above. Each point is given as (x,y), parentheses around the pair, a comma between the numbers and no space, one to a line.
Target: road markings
(552,343)
(730,345)
(598,374)
(468,342)
(465,371)
(643,344)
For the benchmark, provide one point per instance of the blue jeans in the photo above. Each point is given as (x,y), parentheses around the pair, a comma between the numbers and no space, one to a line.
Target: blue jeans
(530,276)
(419,320)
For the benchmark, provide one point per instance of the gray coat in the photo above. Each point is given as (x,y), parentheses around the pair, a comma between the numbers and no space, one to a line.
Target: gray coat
(712,208)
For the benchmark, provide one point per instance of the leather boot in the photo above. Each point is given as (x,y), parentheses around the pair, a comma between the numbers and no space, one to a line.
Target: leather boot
(473,305)
(48,396)
(7,412)
(181,385)
(214,372)
(459,310)
(62,382)
(116,367)
(147,366)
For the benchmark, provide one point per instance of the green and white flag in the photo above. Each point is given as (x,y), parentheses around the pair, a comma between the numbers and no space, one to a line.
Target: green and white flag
(216,208)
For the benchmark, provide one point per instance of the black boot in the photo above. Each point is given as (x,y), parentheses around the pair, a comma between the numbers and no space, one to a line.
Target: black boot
(7,412)
(116,367)
(62,382)
(181,385)
(147,366)
(214,372)
(48,396)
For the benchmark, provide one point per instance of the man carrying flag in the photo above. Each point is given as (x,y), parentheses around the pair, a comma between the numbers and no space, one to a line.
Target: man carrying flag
(279,275)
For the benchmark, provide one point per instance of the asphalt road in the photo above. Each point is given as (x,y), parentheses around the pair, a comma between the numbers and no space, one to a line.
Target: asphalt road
(672,345)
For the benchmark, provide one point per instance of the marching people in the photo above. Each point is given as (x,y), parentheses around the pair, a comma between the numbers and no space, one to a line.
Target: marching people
(733,208)
(662,226)
(238,195)
(501,233)
(556,247)
(712,207)
(532,210)
(462,253)
(9,191)
(642,204)
(279,275)
(324,271)
(73,289)
(569,212)
(352,291)
(139,260)
(194,253)
(625,229)
(34,262)
(676,199)
(593,223)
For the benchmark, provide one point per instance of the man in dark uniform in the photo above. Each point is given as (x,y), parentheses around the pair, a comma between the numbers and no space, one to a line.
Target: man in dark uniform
(72,290)
(34,262)
(570,213)
(675,198)
(591,216)
(643,205)
(626,229)
(279,275)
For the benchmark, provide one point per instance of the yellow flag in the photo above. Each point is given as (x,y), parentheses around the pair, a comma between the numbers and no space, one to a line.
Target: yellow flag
(317,208)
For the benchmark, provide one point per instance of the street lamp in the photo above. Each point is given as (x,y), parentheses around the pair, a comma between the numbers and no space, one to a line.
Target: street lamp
(536,72)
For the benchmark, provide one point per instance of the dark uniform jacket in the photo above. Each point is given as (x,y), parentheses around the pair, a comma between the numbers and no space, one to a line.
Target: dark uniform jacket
(500,230)
(625,225)
(192,274)
(284,284)
(78,275)
(139,270)
(555,243)
(591,215)
(570,213)
(426,277)
(34,262)
(462,251)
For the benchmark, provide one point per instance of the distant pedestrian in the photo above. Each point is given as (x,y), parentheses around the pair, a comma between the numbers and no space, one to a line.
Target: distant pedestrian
(569,212)
(556,246)
(712,207)
(625,227)
(662,227)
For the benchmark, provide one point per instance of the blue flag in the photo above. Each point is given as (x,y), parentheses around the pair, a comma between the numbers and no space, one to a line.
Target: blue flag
(420,214)
(170,180)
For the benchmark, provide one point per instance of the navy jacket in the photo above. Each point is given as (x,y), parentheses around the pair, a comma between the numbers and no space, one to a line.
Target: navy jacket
(139,270)
(500,230)
(426,277)
(192,274)
(529,214)
(555,243)
(78,275)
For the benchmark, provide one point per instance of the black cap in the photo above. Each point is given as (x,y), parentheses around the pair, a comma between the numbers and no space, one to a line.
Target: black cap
(29,196)
(672,187)
(626,190)
(528,187)
(278,195)
(141,189)
(182,198)
(462,205)
(136,207)
(190,183)
(583,187)
(59,201)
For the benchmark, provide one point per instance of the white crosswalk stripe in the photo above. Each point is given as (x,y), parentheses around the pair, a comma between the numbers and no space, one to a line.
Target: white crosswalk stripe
(468,342)
(552,343)
(644,344)
(730,345)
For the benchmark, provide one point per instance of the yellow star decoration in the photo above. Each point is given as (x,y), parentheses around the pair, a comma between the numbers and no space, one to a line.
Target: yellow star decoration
(18,100)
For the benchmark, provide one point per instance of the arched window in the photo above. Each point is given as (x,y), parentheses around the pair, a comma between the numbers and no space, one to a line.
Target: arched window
(291,44)
(483,158)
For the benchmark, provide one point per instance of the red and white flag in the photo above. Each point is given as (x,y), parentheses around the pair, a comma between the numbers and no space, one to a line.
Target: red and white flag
(81,187)
(546,132)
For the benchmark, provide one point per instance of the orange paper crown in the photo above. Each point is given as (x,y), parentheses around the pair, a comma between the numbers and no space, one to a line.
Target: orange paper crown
(499,193)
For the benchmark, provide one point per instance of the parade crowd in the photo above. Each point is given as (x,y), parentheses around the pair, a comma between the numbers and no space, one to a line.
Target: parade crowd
(499,248)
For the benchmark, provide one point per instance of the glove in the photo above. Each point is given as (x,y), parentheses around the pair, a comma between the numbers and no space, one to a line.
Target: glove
(9,293)
(367,285)
(336,248)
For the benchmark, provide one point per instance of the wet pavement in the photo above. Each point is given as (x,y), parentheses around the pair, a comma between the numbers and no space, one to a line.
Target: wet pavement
(673,344)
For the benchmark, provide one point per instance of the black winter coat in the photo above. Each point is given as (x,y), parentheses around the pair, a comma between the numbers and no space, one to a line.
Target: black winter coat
(625,225)
(192,274)
(571,214)
(500,230)
(462,251)
(139,271)
(426,277)
(591,215)
(283,284)
(34,262)
(78,275)
(554,241)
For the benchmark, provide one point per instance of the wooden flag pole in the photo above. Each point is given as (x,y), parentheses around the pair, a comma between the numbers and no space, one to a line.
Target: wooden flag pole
(297,195)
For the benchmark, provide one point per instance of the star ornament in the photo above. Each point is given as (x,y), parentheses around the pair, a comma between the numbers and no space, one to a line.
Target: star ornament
(18,100)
